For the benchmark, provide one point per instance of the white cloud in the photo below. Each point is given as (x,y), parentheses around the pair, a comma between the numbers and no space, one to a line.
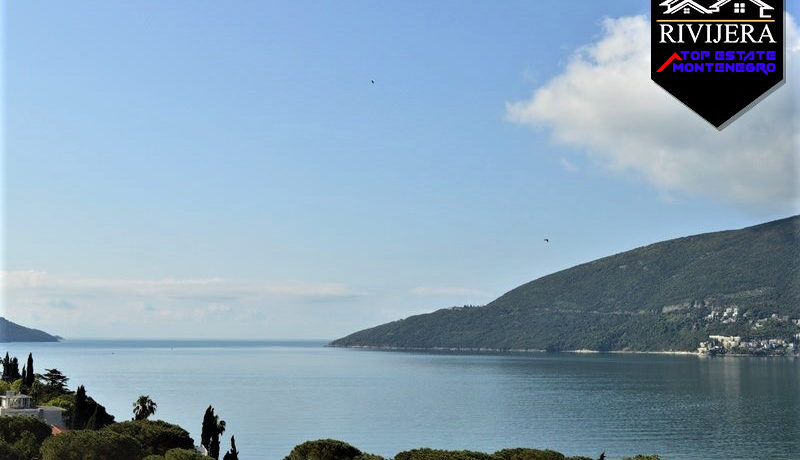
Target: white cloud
(605,102)
(72,306)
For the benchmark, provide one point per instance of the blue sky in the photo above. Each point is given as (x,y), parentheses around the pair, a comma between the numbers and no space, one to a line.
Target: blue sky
(229,170)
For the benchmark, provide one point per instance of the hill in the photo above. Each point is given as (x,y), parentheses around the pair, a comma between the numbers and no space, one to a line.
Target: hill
(12,332)
(668,296)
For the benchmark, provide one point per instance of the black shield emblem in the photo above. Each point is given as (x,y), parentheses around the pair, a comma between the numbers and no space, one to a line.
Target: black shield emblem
(718,57)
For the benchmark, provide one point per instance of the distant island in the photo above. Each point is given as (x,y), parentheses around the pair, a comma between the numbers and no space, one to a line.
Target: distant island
(12,332)
(734,292)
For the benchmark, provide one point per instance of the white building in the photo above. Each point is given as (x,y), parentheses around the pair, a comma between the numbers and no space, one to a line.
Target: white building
(15,404)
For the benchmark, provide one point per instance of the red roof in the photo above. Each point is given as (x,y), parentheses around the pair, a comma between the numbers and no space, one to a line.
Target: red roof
(55,429)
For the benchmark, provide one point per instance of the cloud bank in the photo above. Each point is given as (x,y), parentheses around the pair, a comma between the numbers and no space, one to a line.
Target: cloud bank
(604,102)
(176,307)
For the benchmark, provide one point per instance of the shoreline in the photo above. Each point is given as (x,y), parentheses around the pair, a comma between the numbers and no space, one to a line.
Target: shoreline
(509,350)
(535,350)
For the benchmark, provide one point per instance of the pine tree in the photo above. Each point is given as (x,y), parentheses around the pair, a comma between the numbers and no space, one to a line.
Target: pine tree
(31,376)
(232,454)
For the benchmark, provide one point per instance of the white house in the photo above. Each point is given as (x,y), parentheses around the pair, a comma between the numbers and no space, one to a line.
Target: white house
(15,404)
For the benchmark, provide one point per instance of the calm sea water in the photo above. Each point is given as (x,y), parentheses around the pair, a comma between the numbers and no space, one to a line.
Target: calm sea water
(274,395)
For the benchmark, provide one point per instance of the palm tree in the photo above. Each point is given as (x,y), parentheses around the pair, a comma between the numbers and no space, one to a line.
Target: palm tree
(144,407)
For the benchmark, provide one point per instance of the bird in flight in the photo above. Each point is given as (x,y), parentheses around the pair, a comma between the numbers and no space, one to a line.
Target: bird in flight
(547,240)
(373,81)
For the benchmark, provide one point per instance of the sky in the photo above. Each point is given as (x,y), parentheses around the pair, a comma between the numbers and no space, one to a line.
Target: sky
(229,170)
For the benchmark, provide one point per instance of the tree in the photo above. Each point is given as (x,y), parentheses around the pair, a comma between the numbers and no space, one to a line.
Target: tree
(8,452)
(79,418)
(54,381)
(13,370)
(24,374)
(143,408)
(85,408)
(6,367)
(91,445)
(156,437)
(24,434)
(232,454)
(30,375)
(213,427)
(324,449)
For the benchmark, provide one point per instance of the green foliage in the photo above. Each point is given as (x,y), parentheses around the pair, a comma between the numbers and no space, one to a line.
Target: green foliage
(184,454)
(643,457)
(8,452)
(25,434)
(324,449)
(91,445)
(652,298)
(156,437)
(16,385)
(4,386)
(66,402)
(433,454)
(528,454)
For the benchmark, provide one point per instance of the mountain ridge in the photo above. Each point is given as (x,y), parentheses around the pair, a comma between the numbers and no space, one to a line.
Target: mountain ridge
(12,332)
(665,296)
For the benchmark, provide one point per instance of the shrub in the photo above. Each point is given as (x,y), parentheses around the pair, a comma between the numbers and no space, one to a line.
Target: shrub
(184,454)
(9,453)
(156,437)
(432,454)
(324,449)
(529,454)
(24,434)
(91,445)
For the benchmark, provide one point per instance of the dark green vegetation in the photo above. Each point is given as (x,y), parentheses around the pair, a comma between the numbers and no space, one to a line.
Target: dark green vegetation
(94,435)
(156,437)
(12,332)
(653,298)
(331,449)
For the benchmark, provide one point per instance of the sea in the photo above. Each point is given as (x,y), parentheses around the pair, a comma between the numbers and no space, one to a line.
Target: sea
(276,394)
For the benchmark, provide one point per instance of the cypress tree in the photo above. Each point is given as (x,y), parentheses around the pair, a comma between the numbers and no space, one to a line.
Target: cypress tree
(6,366)
(208,421)
(79,417)
(232,454)
(14,371)
(24,376)
(31,375)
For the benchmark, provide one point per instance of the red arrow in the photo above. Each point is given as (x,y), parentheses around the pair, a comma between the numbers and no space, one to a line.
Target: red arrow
(671,58)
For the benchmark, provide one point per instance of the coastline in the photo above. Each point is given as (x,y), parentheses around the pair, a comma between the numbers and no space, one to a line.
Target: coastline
(534,350)
(510,350)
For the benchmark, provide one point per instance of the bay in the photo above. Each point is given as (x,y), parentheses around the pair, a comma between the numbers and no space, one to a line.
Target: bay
(274,395)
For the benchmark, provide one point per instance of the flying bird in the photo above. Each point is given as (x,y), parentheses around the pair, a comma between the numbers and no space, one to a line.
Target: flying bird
(547,240)
(373,81)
